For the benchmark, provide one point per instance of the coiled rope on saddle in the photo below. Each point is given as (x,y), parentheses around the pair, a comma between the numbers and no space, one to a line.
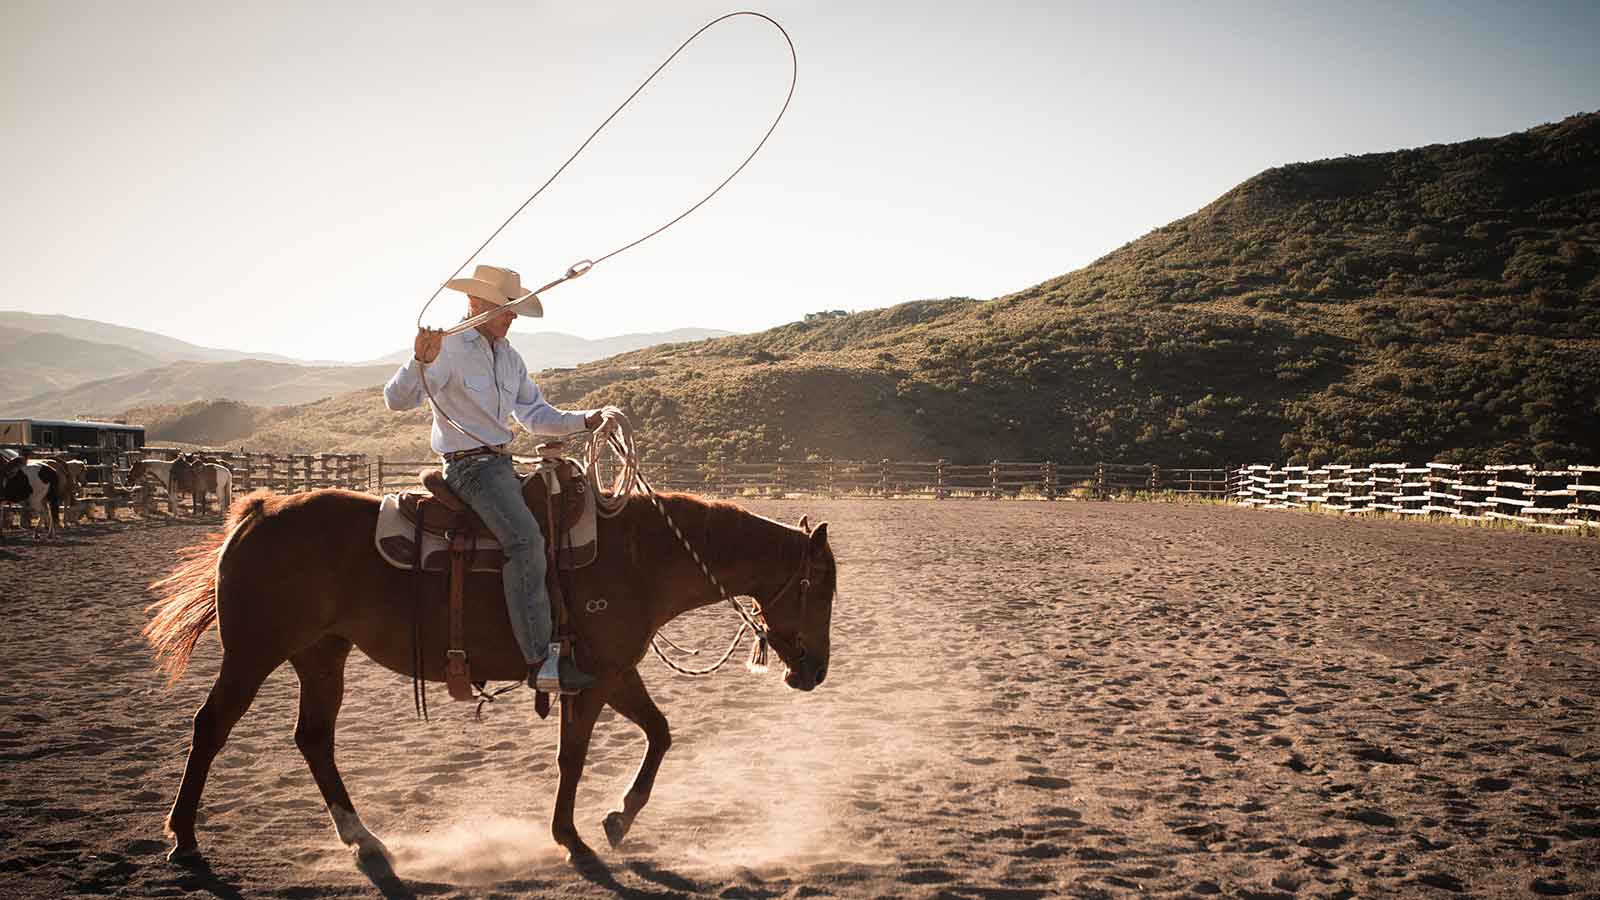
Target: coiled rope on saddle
(616,432)
(582,267)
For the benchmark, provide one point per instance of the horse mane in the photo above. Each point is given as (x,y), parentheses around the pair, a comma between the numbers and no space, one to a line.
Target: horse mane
(719,530)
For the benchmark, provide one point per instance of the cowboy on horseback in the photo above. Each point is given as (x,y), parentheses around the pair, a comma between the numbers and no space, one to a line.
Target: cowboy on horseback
(475,378)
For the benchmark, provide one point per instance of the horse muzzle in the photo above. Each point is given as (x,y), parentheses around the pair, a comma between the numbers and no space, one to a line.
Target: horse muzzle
(807,679)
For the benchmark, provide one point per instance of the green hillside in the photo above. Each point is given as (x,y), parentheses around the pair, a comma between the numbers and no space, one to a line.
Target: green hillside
(1421,304)
(1429,303)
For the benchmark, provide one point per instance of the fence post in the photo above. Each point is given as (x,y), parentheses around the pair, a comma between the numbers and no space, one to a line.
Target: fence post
(883,477)
(777,479)
(994,479)
(832,491)
(939,492)
(1099,481)
(1050,479)
(1155,478)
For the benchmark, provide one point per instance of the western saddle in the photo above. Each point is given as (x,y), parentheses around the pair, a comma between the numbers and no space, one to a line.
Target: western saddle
(557,493)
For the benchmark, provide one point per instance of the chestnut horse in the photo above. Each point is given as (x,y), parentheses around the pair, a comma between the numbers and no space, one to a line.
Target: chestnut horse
(296,578)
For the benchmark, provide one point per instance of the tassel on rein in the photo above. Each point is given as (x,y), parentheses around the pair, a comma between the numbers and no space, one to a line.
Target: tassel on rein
(757,662)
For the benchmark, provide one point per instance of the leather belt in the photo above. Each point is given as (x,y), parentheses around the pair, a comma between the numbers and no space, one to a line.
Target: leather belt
(475,451)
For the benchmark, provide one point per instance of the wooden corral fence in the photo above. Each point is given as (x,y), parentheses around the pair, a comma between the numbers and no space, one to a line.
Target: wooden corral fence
(1552,499)
(937,479)
(283,473)
(107,489)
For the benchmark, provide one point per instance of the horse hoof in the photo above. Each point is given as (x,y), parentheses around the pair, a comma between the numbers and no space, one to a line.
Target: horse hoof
(370,852)
(184,854)
(616,827)
(367,849)
(372,858)
(581,855)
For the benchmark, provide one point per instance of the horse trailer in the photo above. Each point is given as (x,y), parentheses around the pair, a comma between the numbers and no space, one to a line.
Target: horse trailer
(60,435)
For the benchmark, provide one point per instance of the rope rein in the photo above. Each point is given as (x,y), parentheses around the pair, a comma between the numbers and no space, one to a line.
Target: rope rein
(582,267)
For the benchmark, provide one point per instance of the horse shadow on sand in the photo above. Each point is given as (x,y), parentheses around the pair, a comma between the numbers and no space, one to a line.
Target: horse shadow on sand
(199,876)
(380,871)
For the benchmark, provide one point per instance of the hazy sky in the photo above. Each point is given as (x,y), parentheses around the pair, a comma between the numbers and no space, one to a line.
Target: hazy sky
(289,178)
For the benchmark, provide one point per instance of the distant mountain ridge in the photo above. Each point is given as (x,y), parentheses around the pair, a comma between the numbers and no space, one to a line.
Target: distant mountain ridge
(555,349)
(35,362)
(149,343)
(253,381)
(57,366)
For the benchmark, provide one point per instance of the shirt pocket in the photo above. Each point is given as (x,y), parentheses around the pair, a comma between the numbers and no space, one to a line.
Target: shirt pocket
(483,390)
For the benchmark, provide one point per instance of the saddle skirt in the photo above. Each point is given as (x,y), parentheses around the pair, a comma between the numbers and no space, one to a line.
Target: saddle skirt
(565,481)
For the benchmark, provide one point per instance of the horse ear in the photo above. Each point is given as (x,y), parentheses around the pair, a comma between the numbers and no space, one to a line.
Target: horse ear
(819,536)
(805,525)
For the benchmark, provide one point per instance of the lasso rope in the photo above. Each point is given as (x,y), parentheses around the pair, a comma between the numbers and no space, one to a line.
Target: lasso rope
(616,432)
(584,266)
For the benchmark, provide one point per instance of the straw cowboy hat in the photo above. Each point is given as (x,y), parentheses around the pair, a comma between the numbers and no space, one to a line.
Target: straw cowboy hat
(498,286)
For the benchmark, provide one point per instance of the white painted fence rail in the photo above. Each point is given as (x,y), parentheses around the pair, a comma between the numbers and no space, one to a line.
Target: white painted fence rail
(1550,499)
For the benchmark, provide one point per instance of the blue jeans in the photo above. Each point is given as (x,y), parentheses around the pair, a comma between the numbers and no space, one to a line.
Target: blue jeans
(490,485)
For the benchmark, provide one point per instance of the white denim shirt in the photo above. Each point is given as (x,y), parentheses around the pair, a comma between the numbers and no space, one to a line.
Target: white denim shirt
(478,382)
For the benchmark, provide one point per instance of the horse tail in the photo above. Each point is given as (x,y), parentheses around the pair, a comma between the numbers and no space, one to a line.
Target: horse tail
(225,476)
(187,607)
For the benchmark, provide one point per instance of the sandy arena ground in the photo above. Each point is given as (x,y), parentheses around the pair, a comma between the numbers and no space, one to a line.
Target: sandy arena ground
(1026,700)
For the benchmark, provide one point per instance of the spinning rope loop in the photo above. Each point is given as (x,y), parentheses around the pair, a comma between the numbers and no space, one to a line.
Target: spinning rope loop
(583,267)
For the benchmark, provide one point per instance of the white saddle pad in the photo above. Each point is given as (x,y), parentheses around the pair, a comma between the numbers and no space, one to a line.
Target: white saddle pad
(395,538)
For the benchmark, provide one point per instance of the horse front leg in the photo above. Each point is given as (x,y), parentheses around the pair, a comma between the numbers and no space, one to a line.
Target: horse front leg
(633,701)
(578,715)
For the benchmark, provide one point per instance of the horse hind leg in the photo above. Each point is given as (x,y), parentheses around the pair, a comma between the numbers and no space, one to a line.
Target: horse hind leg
(235,689)
(635,704)
(321,671)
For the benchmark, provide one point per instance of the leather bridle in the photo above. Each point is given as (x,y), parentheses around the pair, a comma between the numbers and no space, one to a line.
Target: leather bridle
(800,579)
